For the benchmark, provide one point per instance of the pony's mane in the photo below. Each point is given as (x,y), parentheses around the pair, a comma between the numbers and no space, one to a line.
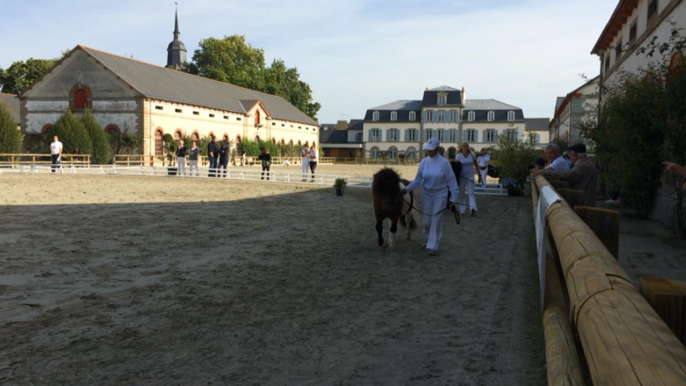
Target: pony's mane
(386,182)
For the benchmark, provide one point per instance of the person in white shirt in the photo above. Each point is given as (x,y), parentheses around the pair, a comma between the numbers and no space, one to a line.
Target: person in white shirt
(314,158)
(436,177)
(305,153)
(556,162)
(483,159)
(466,180)
(55,153)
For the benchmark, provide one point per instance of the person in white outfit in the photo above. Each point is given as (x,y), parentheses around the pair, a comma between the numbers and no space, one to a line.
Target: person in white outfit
(436,177)
(56,153)
(483,159)
(305,153)
(466,180)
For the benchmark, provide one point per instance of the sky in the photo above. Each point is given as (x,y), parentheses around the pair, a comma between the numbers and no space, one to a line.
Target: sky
(354,54)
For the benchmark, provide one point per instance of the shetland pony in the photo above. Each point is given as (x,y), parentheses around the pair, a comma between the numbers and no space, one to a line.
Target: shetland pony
(390,203)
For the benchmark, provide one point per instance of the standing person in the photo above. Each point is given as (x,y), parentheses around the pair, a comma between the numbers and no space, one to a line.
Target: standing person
(305,154)
(181,159)
(223,158)
(583,176)
(266,159)
(314,158)
(245,160)
(483,159)
(55,153)
(466,180)
(434,174)
(193,159)
(212,153)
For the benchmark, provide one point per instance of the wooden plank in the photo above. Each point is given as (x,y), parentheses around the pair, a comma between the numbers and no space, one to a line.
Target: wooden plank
(572,196)
(559,184)
(666,300)
(604,223)
(681,287)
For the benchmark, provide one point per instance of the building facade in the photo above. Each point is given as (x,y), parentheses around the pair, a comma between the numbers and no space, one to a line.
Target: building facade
(577,108)
(131,96)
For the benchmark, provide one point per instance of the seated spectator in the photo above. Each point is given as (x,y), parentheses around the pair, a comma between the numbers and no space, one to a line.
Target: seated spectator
(555,161)
(584,175)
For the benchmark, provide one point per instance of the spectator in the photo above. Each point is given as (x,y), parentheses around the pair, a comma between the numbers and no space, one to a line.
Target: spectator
(181,159)
(466,179)
(193,159)
(212,153)
(314,159)
(583,176)
(223,158)
(305,153)
(483,159)
(266,159)
(569,161)
(56,153)
(556,162)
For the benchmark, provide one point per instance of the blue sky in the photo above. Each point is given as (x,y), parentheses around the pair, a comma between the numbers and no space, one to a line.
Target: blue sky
(355,54)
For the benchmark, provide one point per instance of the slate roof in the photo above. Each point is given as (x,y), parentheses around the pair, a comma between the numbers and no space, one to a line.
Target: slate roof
(400,105)
(329,134)
(481,107)
(431,96)
(11,102)
(171,85)
(538,124)
(356,124)
(488,104)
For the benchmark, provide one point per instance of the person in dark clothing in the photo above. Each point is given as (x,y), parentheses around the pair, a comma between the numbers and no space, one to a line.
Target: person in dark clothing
(223,158)
(181,159)
(212,155)
(266,159)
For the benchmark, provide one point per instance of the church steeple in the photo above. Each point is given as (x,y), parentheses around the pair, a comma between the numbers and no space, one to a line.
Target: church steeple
(176,51)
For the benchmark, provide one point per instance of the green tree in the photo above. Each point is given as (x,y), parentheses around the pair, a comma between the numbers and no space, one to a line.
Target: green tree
(10,137)
(72,134)
(512,156)
(234,61)
(100,153)
(124,142)
(250,148)
(20,75)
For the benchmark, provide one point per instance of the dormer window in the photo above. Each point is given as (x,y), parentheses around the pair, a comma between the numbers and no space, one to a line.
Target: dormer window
(394,116)
(471,116)
(413,116)
(375,116)
(510,115)
(442,99)
(491,116)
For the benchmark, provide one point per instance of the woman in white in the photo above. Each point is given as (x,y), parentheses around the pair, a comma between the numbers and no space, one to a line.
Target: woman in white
(314,159)
(483,159)
(466,180)
(436,177)
(305,153)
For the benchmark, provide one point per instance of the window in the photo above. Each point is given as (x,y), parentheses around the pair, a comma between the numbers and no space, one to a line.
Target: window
(239,118)
(411,153)
(652,9)
(632,32)
(257,117)
(393,135)
(471,116)
(607,63)
(392,152)
(196,112)
(441,135)
(374,152)
(375,116)
(394,116)
(159,108)
(618,50)
(195,137)
(441,116)
(211,115)
(452,135)
(412,135)
(158,142)
(510,134)
(178,110)
(226,117)
(441,100)
(429,115)
(510,115)
(470,135)
(491,116)
(375,135)
(489,135)
(428,133)
(413,116)
(358,137)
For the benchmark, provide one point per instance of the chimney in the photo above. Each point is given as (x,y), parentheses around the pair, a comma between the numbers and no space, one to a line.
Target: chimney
(341,125)
(464,96)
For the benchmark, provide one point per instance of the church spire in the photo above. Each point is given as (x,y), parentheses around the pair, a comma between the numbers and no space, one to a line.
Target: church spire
(176,51)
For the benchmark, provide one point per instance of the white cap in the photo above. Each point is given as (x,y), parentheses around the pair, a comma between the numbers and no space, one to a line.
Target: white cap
(431,144)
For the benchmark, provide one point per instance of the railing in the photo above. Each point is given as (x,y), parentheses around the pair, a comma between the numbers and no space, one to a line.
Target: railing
(26,158)
(159,160)
(624,341)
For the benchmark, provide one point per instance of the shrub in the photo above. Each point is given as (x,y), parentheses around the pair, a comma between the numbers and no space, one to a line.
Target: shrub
(72,134)
(10,137)
(100,153)
(512,157)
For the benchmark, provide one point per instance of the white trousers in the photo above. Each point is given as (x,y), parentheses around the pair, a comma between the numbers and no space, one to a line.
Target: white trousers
(432,203)
(181,162)
(484,174)
(466,183)
(193,164)
(306,166)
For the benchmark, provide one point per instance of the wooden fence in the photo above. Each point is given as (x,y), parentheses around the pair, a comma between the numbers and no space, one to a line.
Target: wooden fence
(15,159)
(623,339)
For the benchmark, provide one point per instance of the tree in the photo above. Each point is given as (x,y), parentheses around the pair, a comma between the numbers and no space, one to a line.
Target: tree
(123,142)
(72,134)
(234,61)
(100,153)
(10,137)
(20,75)
(513,156)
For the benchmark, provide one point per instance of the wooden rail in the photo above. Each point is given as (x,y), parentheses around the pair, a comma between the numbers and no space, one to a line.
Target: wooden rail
(624,341)
(29,158)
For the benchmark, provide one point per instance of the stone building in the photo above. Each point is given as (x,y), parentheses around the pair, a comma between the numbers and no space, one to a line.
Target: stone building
(128,95)
(574,110)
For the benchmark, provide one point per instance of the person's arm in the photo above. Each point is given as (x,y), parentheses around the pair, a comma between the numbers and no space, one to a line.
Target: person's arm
(414,184)
(452,182)
(675,168)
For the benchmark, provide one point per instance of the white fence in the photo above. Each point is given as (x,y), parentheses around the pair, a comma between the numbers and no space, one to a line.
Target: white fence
(204,172)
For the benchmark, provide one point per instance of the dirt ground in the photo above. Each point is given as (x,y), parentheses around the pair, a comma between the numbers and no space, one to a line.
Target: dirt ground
(110,280)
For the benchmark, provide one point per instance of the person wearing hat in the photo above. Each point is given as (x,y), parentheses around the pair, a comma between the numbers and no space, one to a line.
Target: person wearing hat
(434,175)
(583,176)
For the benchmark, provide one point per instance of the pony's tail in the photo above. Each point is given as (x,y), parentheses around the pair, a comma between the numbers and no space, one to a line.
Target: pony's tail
(412,225)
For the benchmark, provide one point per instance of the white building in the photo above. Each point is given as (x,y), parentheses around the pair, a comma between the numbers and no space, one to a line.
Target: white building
(577,108)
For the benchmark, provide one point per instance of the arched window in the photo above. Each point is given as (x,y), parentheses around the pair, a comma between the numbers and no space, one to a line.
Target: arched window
(112,130)
(393,152)
(80,97)
(159,149)
(257,117)
(257,138)
(413,116)
(374,152)
(195,136)
(411,153)
(178,134)
(46,128)
(471,116)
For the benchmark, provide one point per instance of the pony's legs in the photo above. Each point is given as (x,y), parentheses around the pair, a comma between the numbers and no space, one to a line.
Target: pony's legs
(391,237)
(408,221)
(379,229)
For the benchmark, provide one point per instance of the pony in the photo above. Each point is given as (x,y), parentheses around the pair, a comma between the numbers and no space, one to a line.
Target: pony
(390,203)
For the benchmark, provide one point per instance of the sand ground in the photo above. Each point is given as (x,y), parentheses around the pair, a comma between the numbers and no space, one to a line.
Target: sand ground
(110,280)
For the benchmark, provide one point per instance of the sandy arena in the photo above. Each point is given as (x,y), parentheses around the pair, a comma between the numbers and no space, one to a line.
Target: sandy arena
(111,280)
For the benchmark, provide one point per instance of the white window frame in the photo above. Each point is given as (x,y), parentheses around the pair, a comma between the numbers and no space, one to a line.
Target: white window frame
(375,116)
(413,135)
(376,135)
(489,136)
(470,135)
(413,116)
(442,100)
(471,116)
(440,135)
(394,115)
(393,135)
(510,115)
(510,134)
(491,116)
